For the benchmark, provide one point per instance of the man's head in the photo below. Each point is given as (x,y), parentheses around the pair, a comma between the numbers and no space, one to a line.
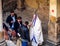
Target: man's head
(12,13)
(19,19)
(26,23)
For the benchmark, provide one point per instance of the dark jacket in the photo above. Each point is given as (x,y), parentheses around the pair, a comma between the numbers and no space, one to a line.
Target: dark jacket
(26,30)
(18,29)
(9,19)
(22,30)
(17,26)
(5,27)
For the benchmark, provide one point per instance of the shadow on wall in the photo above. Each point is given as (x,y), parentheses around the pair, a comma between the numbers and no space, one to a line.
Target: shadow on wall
(9,5)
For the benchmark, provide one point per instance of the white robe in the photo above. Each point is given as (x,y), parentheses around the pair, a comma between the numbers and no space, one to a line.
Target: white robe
(37,32)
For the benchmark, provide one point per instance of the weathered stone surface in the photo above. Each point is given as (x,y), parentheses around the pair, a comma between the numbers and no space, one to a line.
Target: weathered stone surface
(52,32)
(2,41)
(9,5)
(43,11)
(53,27)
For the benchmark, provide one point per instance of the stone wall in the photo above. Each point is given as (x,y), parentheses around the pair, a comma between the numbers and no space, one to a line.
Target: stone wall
(31,6)
(58,19)
(9,5)
(43,10)
(58,8)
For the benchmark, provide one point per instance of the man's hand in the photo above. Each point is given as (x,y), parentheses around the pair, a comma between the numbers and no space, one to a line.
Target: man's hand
(18,34)
(12,21)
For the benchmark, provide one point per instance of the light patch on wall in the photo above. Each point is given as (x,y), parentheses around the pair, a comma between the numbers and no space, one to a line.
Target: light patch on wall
(52,18)
(32,3)
(53,8)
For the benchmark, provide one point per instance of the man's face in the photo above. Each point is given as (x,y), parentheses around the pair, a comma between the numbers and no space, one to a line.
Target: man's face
(19,20)
(12,14)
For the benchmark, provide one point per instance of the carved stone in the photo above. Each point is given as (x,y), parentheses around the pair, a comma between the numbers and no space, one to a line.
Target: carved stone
(53,25)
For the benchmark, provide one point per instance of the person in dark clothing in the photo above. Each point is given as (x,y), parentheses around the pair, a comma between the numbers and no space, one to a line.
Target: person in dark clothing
(22,31)
(5,31)
(17,26)
(5,27)
(11,19)
(27,30)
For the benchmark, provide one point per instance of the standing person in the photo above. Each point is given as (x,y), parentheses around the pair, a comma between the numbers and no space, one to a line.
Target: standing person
(18,24)
(22,31)
(26,31)
(19,33)
(11,19)
(36,35)
(19,30)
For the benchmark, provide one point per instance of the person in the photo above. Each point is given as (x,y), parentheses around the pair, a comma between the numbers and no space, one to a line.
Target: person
(36,35)
(26,30)
(17,25)
(5,31)
(5,27)
(11,19)
(21,31)
(26,38)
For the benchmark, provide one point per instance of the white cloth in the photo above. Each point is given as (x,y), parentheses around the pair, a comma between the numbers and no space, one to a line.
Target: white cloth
(36,31)
(10,43)
(13,21)
(13,18)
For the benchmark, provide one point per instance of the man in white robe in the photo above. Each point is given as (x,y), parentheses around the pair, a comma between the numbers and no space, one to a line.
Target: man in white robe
(36,35)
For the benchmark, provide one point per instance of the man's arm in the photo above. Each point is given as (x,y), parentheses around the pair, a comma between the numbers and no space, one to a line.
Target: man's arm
(7,20)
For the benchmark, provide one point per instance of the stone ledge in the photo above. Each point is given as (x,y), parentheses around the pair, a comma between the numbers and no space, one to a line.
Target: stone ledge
(51,43)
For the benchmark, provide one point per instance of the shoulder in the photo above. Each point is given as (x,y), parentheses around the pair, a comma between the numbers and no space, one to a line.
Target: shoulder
(15,14)
(9,16)
(24,27)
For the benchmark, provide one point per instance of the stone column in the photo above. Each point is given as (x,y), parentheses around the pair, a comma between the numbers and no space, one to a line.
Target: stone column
(52,25)
(2,41)
(1,20)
